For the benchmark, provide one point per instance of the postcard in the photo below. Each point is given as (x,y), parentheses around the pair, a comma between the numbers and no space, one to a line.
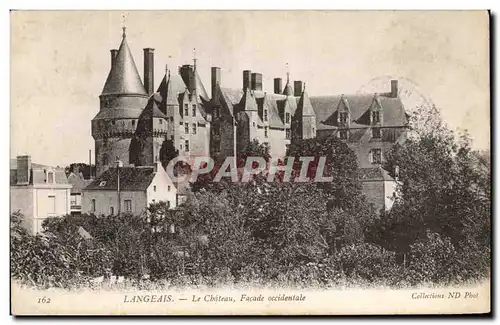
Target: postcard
(250,162)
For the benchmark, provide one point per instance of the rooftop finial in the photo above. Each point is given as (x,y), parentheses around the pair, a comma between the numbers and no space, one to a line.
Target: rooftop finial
(287,74)
(194,58)
(124,28)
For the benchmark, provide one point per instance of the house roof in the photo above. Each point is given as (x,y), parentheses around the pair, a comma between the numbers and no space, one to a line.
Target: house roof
(374,174)
(78,182)
(38,174)
(123,77)
(326,109)
(131,179)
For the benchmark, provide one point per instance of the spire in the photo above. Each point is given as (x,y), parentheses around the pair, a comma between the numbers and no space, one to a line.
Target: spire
(287,74)
(288,88)
(123,77)
(194,59)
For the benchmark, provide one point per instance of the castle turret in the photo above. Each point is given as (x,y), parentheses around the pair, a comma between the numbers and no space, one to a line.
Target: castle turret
(121,102)
(304,119)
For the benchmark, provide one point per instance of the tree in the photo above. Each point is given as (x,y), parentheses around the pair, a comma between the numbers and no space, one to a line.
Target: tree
(445,189)
(344,190)
(168,152)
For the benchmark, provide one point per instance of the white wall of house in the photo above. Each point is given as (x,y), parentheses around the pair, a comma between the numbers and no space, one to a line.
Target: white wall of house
(38,202)
(162,189)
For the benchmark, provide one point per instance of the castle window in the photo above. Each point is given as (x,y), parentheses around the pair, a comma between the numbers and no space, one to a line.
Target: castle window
(194,110)
(288,133)
(154,188)
(287,119)
(161,121)
(186,128)
(216,129)
(376,156)
(187,145)
(180,123)
(113,122)
(128,205)
(253,124)
(343,134)
(216,146)
(111,210)
(168,188)
(343,118)
(376,117)
(186,110)
(92,205)
(265,131)
(265,115)
(133,122)
(376,133)
(194,128)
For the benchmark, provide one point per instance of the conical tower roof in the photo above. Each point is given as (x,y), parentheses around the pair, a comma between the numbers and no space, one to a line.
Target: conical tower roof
(123,77)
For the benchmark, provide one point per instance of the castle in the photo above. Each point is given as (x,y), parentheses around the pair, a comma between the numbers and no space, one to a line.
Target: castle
(134,122)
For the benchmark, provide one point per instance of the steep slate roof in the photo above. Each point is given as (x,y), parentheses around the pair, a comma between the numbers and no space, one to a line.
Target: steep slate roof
(272,103)
(374,174)
(123,77)
(288,90)
(326,108)
(170,89)
(78,182)
(131,179)
(200,89)
(151,109)
(305,105)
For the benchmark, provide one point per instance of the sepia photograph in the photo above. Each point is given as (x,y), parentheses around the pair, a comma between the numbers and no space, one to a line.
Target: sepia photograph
(250,162)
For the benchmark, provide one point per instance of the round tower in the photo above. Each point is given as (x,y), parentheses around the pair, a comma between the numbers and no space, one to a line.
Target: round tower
(121,103)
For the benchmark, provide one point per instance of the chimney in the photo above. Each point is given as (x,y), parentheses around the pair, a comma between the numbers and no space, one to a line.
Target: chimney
(298,86)
(278,85)
(114,52)
(187,74)
(215,79)
(394,88)
(149,64)
(246,79)
(23,170)
(257,81)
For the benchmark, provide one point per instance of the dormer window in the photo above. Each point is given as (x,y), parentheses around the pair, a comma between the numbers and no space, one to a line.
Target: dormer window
(375,117)
(265,115)
(194,110)
(376,133)
(287,118)
(161,121)
(343,118)
(50,177)
(186,109)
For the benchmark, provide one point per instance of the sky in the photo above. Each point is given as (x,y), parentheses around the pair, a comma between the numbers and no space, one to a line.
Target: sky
(60,61)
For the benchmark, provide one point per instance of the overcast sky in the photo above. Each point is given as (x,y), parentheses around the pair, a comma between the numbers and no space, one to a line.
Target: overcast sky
(60,61)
